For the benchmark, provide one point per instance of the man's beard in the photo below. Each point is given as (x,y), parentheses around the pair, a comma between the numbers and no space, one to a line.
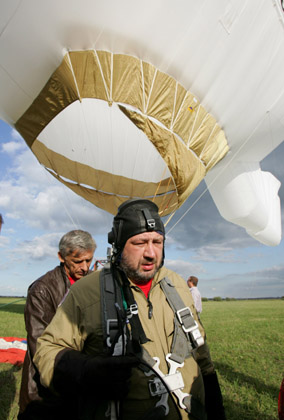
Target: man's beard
(134,274)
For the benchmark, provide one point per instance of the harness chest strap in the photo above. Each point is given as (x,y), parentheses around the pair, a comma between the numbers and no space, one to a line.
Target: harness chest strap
(186,338)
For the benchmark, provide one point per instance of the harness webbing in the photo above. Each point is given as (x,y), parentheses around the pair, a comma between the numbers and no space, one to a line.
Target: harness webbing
(113,319)
(186,333)
(113,293)
(138,334)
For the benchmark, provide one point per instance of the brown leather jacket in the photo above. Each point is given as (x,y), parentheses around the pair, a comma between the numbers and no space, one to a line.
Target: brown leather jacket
(44,296)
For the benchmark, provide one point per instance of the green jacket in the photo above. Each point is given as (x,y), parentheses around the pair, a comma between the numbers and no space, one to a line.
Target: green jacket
(77,325)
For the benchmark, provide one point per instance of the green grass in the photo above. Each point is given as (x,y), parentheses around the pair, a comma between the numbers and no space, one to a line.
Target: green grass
(11,325)
(12,320)
(246,339)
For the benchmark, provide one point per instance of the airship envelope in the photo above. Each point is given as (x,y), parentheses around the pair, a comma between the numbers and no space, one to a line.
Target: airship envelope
(121,99)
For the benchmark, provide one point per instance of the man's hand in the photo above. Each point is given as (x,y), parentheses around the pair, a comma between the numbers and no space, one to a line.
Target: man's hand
(105,377)
(110,376)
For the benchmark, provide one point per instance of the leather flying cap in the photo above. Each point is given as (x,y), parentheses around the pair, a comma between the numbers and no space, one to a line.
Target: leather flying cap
(133,217)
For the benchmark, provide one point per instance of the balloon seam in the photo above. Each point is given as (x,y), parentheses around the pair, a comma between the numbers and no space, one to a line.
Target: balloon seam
(74,77)
(151,89)
(102,74)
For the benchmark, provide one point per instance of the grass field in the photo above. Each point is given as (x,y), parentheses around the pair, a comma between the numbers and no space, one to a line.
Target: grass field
(11,325)
(246,339)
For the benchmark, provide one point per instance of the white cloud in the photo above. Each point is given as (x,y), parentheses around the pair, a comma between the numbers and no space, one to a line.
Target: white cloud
(4,199)
(215,253)
(4,241)
(33,195)
(16,145)
(184,268)
(267,282)
(27,170)
(39,248)
(7,290)
(16,135)
(12,147)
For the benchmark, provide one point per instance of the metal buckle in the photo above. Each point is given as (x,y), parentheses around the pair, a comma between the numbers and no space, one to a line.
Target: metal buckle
(197,337)
(156,387)
(194,332)
(132,310)
(187,312)
(151,223)
(111,325)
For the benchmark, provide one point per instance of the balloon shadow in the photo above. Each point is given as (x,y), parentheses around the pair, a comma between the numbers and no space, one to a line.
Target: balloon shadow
(13,308)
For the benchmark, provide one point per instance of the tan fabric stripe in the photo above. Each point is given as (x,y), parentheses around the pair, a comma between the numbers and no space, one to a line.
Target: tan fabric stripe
(149,90)
(59,92)
(110,202)
(182,163)
(102,184)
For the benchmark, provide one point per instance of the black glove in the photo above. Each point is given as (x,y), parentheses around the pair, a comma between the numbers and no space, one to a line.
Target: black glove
(213,398)
(105,377)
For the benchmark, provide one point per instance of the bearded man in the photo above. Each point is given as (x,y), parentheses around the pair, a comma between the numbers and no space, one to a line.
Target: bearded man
(127,342)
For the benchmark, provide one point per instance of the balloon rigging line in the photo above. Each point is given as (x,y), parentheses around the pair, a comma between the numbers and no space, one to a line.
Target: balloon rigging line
(108,94)
(11,18)
(185,213)
(62,202)
(204,147)
(180,108)
(158,187)
(234,156)
(80,100)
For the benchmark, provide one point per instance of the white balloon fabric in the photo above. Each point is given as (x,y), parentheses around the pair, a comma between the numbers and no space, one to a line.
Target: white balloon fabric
(248,197)
(207,79)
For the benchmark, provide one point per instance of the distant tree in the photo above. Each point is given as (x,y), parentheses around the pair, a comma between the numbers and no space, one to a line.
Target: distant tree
(217,299)
(1,221)
(204,299)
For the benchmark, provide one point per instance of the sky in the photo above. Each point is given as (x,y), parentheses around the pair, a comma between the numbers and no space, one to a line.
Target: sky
(38,210)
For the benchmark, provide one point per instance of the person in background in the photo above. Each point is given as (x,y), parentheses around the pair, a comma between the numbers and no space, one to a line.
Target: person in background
(192,284)
(124,329)
(76,250)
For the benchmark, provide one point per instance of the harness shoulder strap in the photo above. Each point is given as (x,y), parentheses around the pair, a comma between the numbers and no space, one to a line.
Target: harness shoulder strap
(118,308)
(111,309)
(186,335)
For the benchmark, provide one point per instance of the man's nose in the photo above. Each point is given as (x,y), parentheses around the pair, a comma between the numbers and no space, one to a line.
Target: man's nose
(149,250)
(84,266)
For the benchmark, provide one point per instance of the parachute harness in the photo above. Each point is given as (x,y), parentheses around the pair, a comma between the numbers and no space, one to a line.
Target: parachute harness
(119,309)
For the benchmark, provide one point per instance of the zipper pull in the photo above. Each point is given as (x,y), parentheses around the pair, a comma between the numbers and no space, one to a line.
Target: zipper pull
(150,310)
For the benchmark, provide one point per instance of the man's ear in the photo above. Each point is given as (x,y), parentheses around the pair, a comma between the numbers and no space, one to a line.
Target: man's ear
(61,259)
